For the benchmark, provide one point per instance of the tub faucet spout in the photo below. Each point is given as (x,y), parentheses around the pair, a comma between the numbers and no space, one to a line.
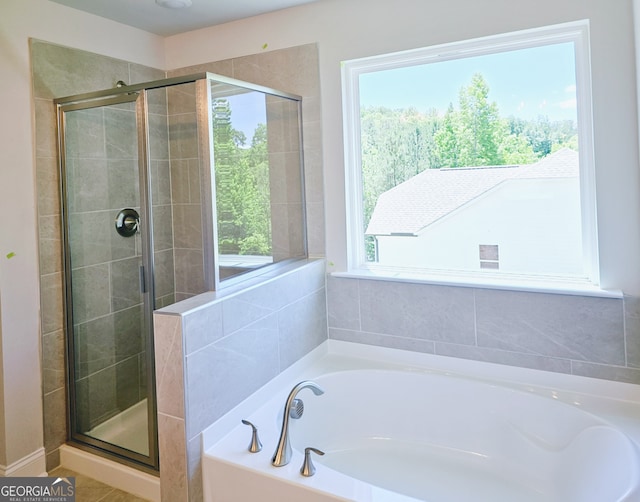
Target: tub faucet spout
(282,455)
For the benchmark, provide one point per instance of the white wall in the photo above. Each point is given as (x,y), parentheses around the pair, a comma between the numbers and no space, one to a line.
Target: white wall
(346,29)
(19,290)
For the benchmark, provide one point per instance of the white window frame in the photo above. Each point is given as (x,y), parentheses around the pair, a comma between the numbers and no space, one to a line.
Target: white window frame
(576,32)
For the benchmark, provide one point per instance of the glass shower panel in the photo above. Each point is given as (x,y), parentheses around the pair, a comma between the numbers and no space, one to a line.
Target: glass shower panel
(258,179)
(105,287)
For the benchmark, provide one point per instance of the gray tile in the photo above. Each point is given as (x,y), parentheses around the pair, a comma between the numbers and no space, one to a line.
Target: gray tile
(426,312)
(55,427)
(187,226)
(90,291)
(616,373)
(125,283)
(183,134)
(169,364)
(316,238)
(343,303)
(302,327)
(255,303)
(497,356)
(96,398)
(158,137)
(194,462)
(128,335)
(565,326)
(48,186)
(127,383)
(87,182)
(632,330)
(172,447)
(180,185)
(51,303)
(94,346)
(189,271)
(120,130)
(50,244)
(123,183)
(93,239)
(160,182)
(224,373)
(195,183)
(202,327)
(53,367)
(162,228)
(85,134)
(182,98)
(61,71)
(164,275)
(389,341)
(46,141)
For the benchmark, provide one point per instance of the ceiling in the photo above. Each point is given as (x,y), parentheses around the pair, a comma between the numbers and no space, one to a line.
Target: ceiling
(148,16)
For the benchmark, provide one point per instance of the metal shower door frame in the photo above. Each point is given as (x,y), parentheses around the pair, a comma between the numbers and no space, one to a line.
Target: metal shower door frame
(148,462)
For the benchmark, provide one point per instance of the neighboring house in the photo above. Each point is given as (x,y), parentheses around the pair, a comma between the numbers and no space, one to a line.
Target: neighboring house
(512,218)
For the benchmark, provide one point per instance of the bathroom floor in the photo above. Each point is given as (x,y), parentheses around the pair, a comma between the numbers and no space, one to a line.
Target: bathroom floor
(90,490)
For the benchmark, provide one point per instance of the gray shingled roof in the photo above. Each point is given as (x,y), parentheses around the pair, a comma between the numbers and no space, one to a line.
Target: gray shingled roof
(434,193)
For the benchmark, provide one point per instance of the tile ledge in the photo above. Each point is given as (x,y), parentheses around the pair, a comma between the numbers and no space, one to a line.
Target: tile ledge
(526,284)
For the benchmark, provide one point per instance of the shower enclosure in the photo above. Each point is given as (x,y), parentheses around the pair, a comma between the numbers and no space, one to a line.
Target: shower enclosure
(169,188)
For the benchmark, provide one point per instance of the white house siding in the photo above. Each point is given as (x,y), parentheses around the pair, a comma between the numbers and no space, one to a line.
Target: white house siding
(535,223)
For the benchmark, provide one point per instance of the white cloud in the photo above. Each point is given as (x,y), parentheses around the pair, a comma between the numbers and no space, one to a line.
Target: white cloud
(569,104)
(570,88)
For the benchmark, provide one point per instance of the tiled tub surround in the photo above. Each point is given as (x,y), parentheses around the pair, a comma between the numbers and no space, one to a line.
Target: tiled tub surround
(473,421)
(580,335)
(216,349)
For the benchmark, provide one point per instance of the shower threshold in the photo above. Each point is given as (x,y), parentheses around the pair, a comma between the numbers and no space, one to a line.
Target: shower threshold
(127,429)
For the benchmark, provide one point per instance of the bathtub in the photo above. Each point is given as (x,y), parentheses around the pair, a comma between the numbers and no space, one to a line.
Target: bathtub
(398,426)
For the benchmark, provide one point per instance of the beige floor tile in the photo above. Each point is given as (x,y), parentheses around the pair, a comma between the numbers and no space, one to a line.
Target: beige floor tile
(91,490)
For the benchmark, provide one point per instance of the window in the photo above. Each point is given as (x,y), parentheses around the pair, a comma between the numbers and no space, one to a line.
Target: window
(458,150)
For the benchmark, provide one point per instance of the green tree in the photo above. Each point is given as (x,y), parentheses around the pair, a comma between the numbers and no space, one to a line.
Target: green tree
(476,135)
(479,127)
(242,186)
(447,139)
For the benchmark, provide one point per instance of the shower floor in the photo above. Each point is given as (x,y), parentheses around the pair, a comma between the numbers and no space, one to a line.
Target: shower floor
(128,429)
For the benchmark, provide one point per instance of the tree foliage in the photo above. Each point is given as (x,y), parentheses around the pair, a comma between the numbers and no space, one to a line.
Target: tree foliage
(242,186)
(398,144)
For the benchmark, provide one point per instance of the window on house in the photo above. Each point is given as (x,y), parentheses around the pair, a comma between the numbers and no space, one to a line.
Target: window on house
(488,140)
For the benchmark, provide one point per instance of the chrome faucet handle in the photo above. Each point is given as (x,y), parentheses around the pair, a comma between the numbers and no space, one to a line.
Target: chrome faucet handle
(308,469)
(255,446)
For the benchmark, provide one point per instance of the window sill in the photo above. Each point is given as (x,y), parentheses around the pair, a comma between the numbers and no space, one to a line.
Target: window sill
(512,283)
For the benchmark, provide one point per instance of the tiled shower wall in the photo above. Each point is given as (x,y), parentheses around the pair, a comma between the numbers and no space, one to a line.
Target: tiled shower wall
(59,71)
(580,335)
(186,191)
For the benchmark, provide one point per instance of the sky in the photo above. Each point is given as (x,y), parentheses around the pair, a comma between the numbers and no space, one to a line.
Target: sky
(247,111)
(525,83)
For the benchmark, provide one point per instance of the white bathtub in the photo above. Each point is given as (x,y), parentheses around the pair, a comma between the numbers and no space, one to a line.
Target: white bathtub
(399,426)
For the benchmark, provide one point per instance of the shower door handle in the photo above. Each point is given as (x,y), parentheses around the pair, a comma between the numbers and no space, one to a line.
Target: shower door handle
(143,283)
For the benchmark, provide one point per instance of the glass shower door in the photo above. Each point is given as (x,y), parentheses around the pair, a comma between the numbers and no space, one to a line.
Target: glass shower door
(108,303)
